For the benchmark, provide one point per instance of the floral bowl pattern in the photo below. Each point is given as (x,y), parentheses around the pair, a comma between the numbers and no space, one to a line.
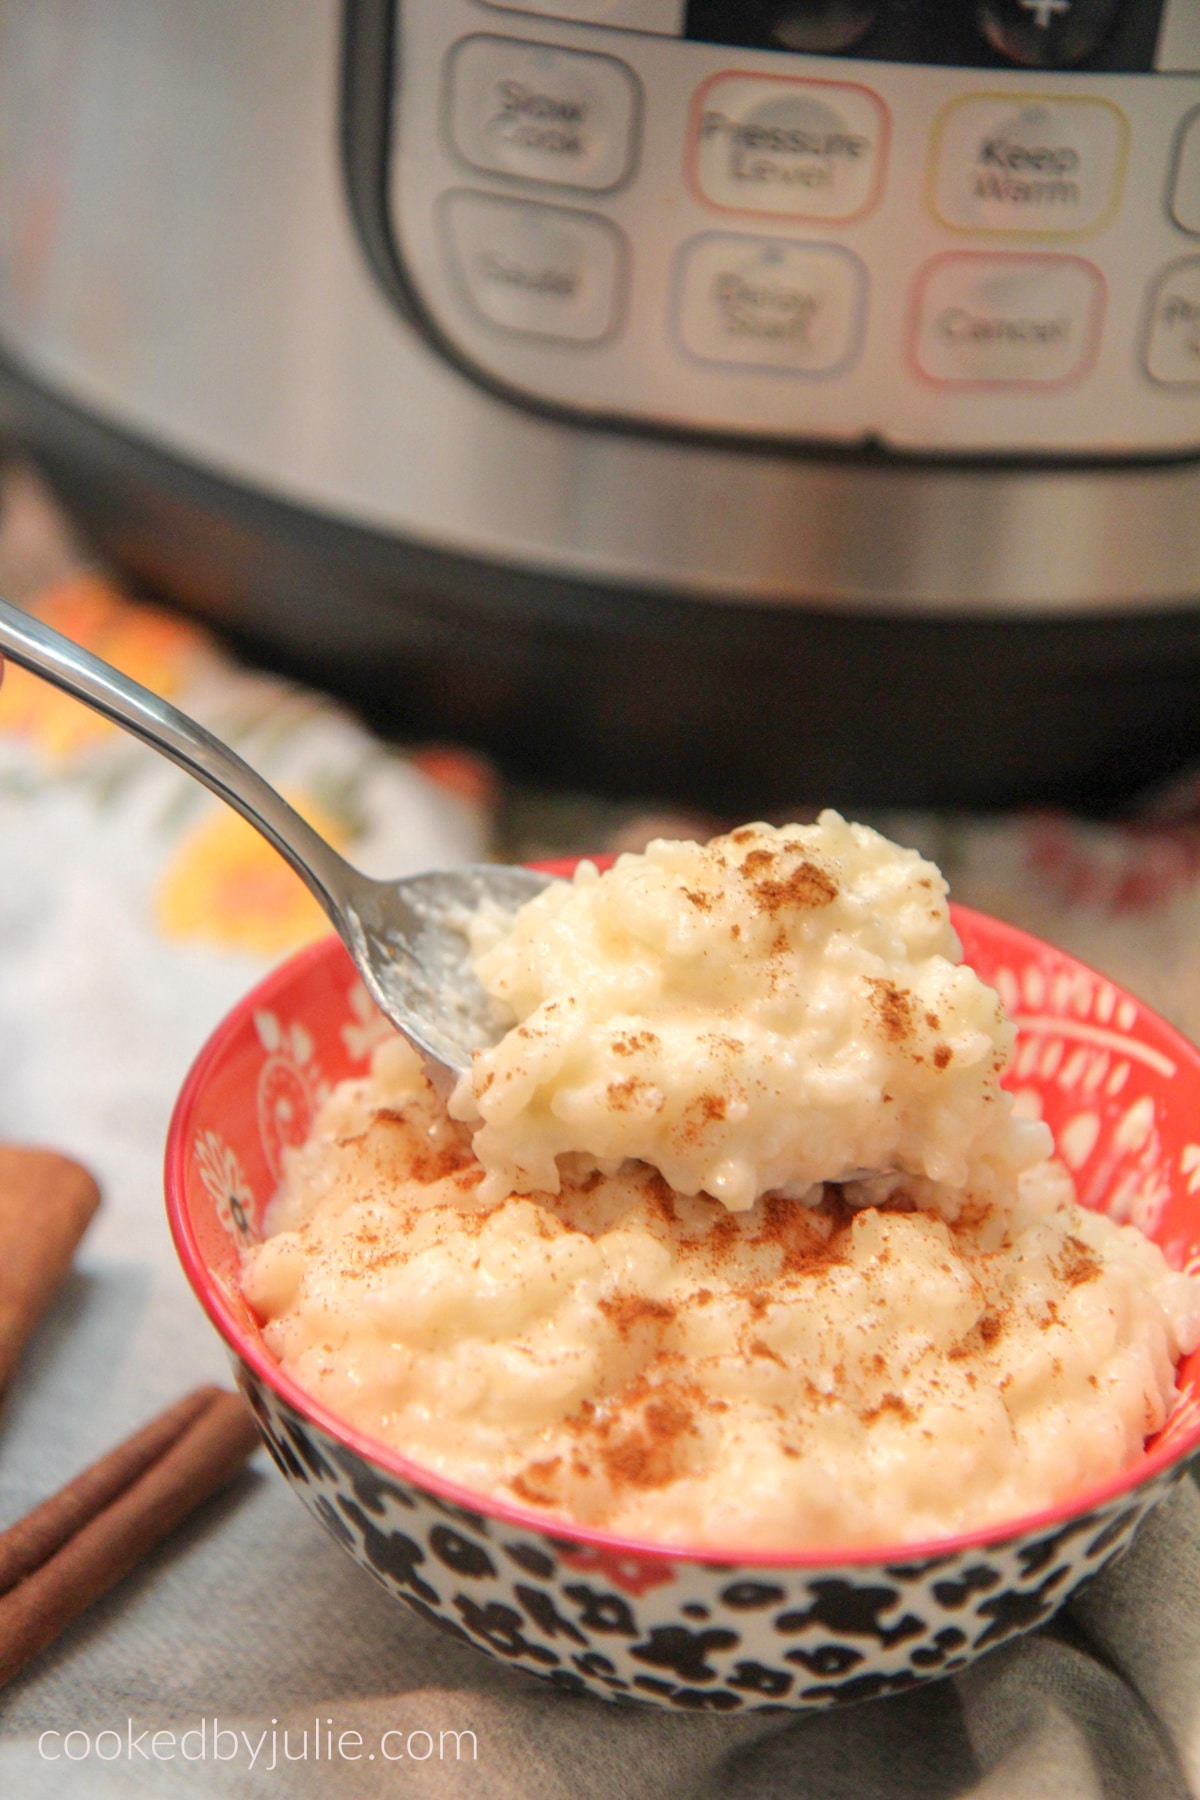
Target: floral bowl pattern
(689,1629)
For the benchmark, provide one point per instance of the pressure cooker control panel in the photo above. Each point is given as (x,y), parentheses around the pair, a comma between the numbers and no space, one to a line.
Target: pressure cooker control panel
(969,229)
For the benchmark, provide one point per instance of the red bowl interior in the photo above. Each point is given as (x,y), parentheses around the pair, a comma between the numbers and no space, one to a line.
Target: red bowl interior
(1119,1087)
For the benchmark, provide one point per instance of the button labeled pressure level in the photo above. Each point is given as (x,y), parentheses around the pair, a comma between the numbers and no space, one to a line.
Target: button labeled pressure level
(1003,321)
(539,271)
(799,149)
(561,116)
(1029,164)
(770,303)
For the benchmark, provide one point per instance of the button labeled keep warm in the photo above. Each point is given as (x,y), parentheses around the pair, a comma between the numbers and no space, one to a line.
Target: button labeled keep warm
(540,271)
(1004,321)
(561,116)
(770,303)
(1010,162)
(798,149)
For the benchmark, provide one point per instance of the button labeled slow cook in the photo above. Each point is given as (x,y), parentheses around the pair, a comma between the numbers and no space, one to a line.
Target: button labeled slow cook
(1007,162)
(800,149)
(1000,321)
(561,116)
(770,303)
(1172,352)
(540,271)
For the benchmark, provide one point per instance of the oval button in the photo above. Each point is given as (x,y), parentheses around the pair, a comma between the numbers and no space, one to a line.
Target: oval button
(560,116)
(770,303)
(539,271)
(1025,163)
(1185,179)
(1005,321)
(801,149)
(1172,354)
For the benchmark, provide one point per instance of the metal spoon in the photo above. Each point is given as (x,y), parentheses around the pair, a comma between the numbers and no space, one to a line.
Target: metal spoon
(406,937)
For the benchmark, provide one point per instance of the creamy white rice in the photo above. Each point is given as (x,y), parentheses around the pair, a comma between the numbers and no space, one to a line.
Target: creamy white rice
(628,1297)
(759,1014)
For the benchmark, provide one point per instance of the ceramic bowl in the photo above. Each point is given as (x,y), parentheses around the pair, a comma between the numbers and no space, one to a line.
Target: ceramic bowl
(694,1629)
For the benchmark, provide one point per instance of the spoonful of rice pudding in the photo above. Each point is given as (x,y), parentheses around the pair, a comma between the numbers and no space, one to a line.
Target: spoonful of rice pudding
(776,1009)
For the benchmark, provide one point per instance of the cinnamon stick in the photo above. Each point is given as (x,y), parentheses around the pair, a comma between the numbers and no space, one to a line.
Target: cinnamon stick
(121,1534)
(46,1202)
(36,1537)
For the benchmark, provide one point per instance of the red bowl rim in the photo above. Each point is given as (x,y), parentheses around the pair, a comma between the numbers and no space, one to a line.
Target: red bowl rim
(255,1355)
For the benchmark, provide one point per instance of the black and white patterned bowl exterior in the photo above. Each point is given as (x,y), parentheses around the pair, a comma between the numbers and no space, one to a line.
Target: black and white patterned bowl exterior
(699,1636)
(676,1627)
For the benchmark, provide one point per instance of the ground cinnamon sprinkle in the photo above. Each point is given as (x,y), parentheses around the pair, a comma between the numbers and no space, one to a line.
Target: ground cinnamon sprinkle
(647,1458)
(1078,1264)
(982,1336)
(627,1311)
(804,888)
(430,1162)
(805,1249)
(893,1008)
(537,1483)
(661,1198)
(890,1403)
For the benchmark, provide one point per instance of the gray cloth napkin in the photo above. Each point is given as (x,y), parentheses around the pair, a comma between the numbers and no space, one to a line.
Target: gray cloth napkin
(252,1623)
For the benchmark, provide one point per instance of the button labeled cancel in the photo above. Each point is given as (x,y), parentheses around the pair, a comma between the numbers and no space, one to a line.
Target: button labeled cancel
(540,271)
(771,304)
(999,321)
(1010,162)
(561,116)
(800,149)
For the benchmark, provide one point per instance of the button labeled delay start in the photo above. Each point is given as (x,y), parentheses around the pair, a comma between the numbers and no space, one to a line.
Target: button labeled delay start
(770,303)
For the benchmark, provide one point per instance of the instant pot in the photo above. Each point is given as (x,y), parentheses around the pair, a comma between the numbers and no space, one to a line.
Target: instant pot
(748,400)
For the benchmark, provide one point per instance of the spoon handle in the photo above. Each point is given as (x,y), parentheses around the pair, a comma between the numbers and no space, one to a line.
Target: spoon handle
(46,652)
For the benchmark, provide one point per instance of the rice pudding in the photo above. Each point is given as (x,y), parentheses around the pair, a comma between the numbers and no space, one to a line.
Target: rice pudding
(764,1359)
